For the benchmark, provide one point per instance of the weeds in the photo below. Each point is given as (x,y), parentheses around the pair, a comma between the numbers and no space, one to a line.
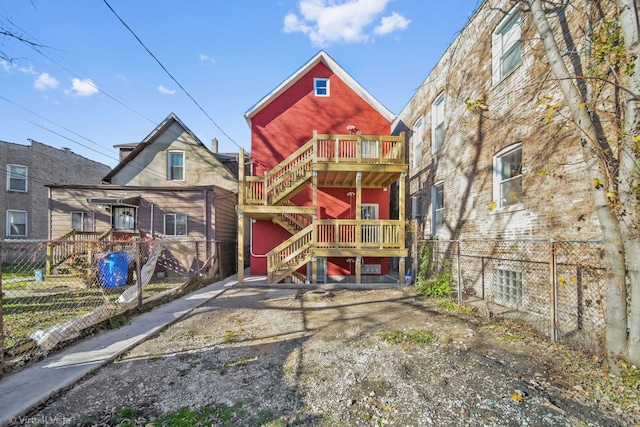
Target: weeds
(451,307)
(416,336)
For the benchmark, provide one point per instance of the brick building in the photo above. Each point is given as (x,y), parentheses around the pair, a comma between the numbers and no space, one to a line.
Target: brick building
(27,169)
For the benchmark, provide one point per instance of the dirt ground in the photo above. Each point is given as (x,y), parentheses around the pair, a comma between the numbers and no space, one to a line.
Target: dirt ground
(279,357)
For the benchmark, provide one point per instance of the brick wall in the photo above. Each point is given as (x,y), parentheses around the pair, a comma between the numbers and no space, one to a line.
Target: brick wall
(556,201)
(46,165)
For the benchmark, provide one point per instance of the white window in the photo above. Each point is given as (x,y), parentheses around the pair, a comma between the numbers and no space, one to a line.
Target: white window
(82,221)
(506,48)
(437,124)
(416,207)
(16,223)
(437,208)
(17,178)
(508,287)
(416,142)
(507,176)
(175,165)
(320,87)
(175,224)
(124,218)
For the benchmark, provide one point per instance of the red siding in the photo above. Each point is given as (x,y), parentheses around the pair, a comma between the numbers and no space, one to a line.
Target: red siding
(287,123)
(289,120)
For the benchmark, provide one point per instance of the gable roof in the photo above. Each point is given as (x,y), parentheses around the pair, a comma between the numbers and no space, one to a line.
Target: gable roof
(320,57)
(150,139)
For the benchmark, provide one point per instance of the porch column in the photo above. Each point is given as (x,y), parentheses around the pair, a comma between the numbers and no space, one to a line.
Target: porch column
(358,269)
(358,209)
(403,225)
(314,270)
(240,247)
(401,270)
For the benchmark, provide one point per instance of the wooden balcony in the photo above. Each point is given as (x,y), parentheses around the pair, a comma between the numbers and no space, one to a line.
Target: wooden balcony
(351,161)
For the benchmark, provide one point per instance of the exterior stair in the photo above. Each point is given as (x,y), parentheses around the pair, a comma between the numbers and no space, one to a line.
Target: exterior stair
(290,255)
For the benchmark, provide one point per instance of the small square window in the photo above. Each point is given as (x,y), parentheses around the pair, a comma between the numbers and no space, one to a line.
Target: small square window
(320,87)
(17,178)
(508,287)
(82,221)
(175,224)
(16,223)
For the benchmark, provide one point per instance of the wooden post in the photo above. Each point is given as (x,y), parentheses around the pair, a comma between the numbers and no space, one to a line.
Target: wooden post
(359,210)
(401,270)
(401,210)
(241,247)
(139,272)
(358,269)
(359,147)
(553,291)
(314,270)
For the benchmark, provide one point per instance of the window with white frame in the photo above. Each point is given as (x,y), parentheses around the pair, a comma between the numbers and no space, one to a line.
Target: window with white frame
(16,223)
(175,165)
(175,224)
(416,142)
(437,208)
(17,178)
(320,86)
(506,43)
(124,218)
(370,232)
(507,176)
(437,124)
(82,221)
(508,287)
(416,207)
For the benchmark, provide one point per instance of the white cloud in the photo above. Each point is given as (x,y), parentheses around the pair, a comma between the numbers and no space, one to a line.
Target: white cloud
(45,82)
(6,66)
(350,21)
(206,58)
(84,87)
(391,23)
(163,90)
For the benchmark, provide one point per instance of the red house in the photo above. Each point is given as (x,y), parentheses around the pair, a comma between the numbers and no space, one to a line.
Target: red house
(322,164)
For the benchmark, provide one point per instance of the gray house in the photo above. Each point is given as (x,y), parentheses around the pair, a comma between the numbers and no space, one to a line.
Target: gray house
(27,170)
(169,186)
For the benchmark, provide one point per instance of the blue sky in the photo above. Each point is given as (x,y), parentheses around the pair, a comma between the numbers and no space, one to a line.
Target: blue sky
(94,85)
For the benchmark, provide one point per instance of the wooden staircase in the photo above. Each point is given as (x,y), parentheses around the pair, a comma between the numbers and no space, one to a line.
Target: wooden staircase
(290,255)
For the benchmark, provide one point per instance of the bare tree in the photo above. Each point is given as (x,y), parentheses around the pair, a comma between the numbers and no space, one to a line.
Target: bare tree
(612,162)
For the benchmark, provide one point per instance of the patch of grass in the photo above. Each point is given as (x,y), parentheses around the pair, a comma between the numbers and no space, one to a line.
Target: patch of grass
(416,336)
(231,335)
(437,286)
(155,357)
(118,321)
(513,337)
(125,417)
(451,307)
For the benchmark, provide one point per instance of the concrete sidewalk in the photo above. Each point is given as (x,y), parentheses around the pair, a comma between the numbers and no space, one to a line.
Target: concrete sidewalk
(33,385)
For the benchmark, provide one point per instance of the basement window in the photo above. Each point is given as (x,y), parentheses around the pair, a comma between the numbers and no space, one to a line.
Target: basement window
(508,287)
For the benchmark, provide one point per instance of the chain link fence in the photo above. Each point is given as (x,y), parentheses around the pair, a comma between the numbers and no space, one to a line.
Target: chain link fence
(556,287)
(56,291)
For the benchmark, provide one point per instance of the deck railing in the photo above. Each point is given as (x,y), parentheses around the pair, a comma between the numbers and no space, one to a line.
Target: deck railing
(358,234)
(322,148)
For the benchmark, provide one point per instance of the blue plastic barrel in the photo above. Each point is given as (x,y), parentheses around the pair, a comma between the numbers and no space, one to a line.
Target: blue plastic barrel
(39,273)
(113,268)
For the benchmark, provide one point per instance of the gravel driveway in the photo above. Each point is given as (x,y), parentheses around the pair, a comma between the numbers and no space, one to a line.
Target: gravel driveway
(284,357)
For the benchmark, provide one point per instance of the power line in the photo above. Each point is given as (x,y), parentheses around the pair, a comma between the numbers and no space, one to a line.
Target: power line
(169,74)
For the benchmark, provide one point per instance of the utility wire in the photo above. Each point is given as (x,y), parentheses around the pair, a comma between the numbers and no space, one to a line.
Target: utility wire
(169,74)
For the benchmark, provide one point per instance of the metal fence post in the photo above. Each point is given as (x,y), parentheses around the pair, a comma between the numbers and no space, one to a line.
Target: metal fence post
(459,278)
(554,291)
